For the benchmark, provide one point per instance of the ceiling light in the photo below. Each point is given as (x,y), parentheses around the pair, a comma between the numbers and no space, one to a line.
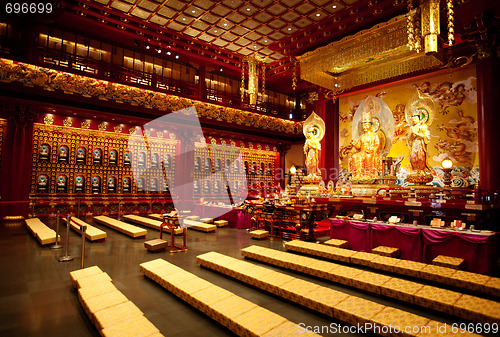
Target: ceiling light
(176,56)
(193,11)
(225,24)
(289,28)
(265,41)
(169,53)
(248,9)
(318,14)
(183,19)
(215,31)
(334,6)
(158,50)
(148,46)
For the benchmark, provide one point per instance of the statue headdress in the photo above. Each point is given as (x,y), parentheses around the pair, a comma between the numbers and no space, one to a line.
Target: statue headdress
(421,105)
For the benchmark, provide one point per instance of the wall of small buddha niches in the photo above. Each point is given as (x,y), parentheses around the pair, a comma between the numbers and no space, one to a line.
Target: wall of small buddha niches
(217,165)
(69,160)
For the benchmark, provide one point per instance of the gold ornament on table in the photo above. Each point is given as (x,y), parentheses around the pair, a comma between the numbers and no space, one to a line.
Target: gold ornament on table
(419,113)
(314,131)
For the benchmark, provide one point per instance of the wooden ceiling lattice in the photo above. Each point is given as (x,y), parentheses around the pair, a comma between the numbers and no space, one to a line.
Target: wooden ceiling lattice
(242,27)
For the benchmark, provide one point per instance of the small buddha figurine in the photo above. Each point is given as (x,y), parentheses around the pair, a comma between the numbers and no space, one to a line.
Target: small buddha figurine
(126,185)
(152,183)
(126,159)
(154,160)
(167,162)
(63,154)
(80,155)
(140,159)
(140,185)
(112,157)
(111,185)
(96,185)
(79,185)
(61,184)
(44,153)
(42,184)
(96,157)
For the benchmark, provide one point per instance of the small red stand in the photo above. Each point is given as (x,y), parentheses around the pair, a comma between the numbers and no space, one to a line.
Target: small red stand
(173,222)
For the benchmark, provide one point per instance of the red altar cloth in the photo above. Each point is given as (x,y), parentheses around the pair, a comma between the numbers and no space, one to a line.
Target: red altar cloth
(479,250)
(423,244)
(407,239)
(356,233)
(236,217)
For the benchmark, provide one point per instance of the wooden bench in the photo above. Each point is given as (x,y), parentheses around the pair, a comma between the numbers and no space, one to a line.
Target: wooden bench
(149,222)
(91,233)
(386,251)
(41,231)
(239,315)
(123,227)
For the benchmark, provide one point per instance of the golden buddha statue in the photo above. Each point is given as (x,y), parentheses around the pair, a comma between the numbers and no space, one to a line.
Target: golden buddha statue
(366,163)
(419,115)
(314,131)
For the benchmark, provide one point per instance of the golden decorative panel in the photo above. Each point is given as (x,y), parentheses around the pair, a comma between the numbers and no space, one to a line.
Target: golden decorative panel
(3,126)
(68,160)
(49,79)
(372,55)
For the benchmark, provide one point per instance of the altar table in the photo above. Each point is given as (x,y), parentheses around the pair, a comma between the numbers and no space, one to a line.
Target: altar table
(419,243)
(235,216)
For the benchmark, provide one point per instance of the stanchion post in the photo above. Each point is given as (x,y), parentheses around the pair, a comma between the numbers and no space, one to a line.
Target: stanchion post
(84,229)
(57,245)
(78,210)
(33,208)
(66,257)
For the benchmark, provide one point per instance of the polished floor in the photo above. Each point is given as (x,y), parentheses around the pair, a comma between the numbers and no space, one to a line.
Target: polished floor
(36,297)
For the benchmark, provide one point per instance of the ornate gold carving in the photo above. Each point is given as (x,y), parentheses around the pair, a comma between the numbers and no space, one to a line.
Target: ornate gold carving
(132,130)
(118,128)
(48,120)
(50,79)
(68,122)
(159,134)
(371,55)
(172,136)
(103,126)
(85,124)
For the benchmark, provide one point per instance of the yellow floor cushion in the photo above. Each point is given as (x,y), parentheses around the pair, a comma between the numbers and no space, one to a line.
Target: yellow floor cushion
(386,251)
(324,300)
(370,281)
(468,280)
(400,289)
(259,234)
(385,263)
(116,314)
(356,310)
(449,262)
(363,258)
(81,273)
(477,309)
(397,320)
(337,243)
(438,299)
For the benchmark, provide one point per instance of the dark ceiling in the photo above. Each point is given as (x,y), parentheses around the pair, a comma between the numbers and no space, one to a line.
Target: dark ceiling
(223,33)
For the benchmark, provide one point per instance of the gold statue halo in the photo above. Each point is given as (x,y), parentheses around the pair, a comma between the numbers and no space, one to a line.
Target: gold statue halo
(423,105)
(317,124)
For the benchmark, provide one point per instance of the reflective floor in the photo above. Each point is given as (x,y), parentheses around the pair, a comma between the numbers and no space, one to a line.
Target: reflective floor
(36,297)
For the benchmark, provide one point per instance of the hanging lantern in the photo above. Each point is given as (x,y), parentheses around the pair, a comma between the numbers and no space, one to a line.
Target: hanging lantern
(253,77)
(430,25)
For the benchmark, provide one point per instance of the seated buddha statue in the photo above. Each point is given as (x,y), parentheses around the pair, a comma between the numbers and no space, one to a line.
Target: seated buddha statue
(366,162)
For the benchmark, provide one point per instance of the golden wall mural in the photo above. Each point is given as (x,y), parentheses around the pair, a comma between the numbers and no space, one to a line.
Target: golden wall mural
(453,131)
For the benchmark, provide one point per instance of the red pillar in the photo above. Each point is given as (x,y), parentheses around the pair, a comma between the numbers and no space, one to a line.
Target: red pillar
(488,122)
(16,163)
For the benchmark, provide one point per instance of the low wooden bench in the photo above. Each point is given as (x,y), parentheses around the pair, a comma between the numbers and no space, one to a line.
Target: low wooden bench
(41,231)
(91,233)
(386,251)
(449,262)
(337,243)
(123,227)
(259,234)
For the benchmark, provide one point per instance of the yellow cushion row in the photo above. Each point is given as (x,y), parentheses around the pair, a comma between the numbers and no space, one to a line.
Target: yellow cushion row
(41,231)
(426,296)
(449,276)
(121,226)
(237,314)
